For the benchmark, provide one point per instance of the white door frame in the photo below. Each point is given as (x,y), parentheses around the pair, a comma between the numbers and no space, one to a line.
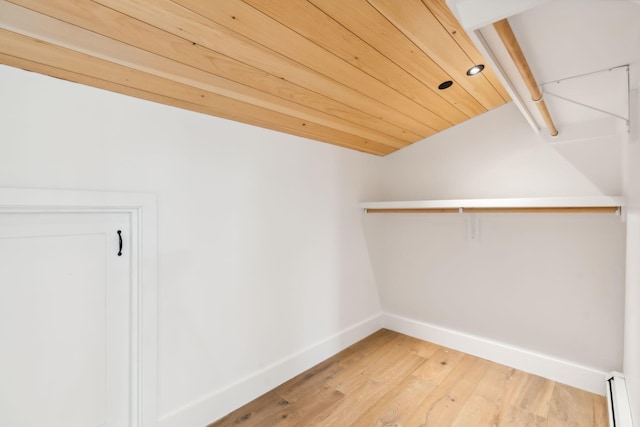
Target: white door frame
(142,208)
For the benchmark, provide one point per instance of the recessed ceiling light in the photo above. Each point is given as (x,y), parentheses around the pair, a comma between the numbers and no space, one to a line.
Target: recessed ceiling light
(445,85)
(476,69)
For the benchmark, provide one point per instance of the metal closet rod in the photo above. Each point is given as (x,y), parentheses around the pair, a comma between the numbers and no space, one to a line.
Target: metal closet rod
(510,42)
(573,209)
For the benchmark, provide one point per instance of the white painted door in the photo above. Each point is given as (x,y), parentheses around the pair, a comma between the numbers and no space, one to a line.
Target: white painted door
(64,320)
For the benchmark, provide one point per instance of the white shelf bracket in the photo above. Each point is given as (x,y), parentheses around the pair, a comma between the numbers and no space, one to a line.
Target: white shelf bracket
(545,91)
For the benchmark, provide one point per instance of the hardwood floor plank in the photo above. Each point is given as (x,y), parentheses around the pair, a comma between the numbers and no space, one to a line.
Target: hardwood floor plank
(570,407)
(423,348)
(255,412)
(512,416)
(600,411)
(297,388)
(400,400)
(362,368)
(438,366)
(497,383)
(347,412)
(311,406)
(532,393)
(477,412)
(317,376)
(441,407)
(390,379)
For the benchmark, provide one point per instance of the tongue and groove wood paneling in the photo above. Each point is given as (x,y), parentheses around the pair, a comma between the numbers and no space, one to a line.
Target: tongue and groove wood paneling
(450,23)
(78,64)
(369,25)
(417,22)
(362,74)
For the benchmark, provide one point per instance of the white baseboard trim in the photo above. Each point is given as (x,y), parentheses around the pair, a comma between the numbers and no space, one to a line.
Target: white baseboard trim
(218,403)
(546,366)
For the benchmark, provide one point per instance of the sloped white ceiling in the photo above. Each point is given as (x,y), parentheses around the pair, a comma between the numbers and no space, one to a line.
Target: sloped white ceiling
(573,37)
(583,54)
(578,51)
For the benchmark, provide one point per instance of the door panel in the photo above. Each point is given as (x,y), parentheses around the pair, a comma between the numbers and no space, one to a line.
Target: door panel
(64,325)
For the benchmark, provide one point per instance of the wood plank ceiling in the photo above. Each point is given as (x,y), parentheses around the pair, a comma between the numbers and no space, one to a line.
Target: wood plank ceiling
(361,74)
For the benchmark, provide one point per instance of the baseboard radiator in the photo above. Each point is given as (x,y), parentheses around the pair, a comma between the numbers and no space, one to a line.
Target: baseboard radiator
(618,401)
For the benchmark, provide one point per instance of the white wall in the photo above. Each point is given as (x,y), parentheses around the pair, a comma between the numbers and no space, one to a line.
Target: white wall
(632,319)
(552,284)
(261,253)
(498,155)
(261,249)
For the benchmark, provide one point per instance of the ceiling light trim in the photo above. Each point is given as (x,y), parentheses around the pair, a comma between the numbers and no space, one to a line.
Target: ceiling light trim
(475,70)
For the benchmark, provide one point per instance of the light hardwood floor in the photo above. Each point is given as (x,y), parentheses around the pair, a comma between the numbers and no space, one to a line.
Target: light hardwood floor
(390,379)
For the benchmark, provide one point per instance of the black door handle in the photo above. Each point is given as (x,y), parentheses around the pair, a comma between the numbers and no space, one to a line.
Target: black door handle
(120,239)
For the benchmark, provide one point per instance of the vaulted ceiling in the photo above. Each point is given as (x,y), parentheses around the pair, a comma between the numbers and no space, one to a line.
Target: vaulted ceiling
(362,74)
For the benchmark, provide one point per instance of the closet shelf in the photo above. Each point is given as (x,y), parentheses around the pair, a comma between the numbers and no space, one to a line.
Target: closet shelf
(593,204)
